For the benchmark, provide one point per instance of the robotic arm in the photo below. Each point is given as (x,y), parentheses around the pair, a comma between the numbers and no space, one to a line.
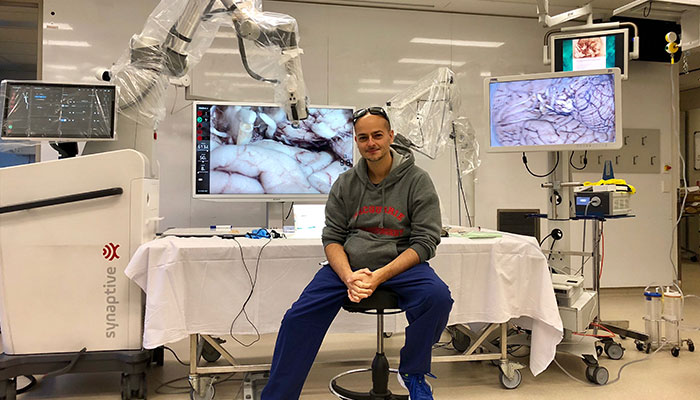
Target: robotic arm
(175,38)
(427,115)
(280,32)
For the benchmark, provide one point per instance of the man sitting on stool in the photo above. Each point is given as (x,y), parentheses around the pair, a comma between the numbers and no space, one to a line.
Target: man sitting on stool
(382,224)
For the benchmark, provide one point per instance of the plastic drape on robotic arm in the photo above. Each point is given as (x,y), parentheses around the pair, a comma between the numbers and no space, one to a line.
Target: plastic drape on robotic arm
(275,55)
(467,147)
(158,53)
(428,115)
(178,33)
(423,113)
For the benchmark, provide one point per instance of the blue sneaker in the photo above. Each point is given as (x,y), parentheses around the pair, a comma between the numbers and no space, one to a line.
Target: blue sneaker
(418,388)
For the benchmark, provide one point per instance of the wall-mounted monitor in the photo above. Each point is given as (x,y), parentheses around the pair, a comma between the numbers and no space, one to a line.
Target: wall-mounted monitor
(251,152)
(57,111)
(590,50)
(555,111)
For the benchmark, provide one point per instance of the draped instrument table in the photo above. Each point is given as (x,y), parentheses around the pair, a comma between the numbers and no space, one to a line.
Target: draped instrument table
(197,286)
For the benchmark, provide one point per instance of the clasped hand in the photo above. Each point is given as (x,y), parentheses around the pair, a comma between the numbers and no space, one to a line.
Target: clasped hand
(361,284)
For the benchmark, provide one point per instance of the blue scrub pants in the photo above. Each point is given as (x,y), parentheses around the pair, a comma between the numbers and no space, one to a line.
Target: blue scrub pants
(422,294)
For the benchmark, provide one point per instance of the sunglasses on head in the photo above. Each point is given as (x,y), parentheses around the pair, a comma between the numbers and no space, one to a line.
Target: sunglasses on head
(371,110)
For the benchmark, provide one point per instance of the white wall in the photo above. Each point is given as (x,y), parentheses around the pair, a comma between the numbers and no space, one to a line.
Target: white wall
(342,45)
(345,44)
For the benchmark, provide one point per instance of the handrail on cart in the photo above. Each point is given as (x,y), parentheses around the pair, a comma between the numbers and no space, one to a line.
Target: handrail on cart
(71,198)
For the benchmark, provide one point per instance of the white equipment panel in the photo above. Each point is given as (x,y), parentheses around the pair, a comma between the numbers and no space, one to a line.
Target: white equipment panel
(62,282)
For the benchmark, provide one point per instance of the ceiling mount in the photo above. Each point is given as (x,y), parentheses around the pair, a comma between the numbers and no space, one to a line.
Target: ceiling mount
(549,21)
(687,12)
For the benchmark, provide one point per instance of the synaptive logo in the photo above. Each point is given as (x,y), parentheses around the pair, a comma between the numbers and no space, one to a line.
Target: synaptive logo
(109,252)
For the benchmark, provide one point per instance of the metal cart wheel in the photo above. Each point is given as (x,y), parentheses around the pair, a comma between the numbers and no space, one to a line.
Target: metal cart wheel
(675,351)
(614,350)
(589,372)
(209,353)
(691,346)
(639,344)
(8,389)
(133,386)
(511,383)
(27,387)
(598,350)
(460,341)
(208,394)
(598,375)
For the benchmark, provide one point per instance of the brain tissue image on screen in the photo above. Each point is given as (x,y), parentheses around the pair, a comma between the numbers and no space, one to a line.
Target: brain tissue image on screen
(256,150)
(570,110)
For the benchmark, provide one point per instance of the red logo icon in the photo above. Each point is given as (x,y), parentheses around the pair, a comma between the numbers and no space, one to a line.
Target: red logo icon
(109,252)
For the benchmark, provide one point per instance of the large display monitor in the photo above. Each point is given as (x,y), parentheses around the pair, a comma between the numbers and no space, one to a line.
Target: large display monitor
(252,152)
(590,50)
(555,111)
(57,111)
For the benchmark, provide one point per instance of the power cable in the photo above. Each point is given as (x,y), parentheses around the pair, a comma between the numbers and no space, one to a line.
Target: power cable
(253,278)
(537,175)
(176,357)
(585,161)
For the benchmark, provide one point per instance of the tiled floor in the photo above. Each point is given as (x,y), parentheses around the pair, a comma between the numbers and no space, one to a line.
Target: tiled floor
(662,376)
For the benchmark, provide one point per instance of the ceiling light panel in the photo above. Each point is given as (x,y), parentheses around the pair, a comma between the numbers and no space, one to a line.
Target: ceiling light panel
(431,62)
(460,43)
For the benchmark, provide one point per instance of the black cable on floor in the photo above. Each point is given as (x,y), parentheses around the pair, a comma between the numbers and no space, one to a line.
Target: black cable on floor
(176,357)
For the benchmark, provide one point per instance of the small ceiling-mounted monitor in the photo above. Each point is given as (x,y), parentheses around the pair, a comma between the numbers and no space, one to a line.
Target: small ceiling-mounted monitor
(555,111)
(57,111)
(585,51)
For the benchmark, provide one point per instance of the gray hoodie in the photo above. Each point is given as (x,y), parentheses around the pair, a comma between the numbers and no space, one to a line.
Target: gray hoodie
(376,223)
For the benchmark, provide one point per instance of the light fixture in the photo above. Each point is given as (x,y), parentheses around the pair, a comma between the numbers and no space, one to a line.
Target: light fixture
(403,82)
(378,90)
(240,85)
(218,50)
(67,43)
(61,67)
(461,43)
(227,74)
(369,81)
(431,61)
(58,26)
(228,35)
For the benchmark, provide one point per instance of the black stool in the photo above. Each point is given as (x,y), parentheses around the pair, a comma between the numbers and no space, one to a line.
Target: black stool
(380,301)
